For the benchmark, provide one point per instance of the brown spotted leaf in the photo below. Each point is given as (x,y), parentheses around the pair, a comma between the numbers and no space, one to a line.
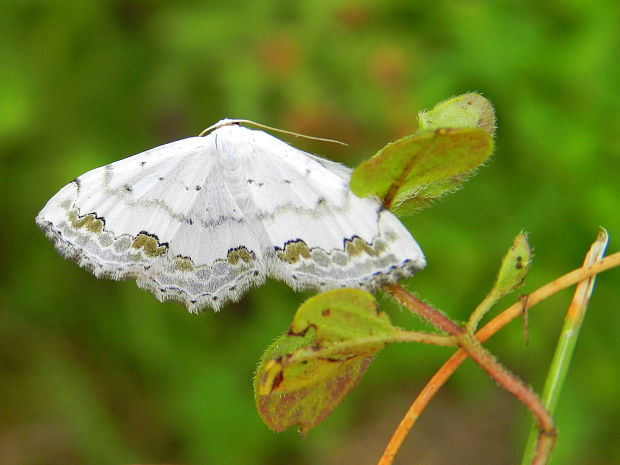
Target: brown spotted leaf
(305,373)
(515,265)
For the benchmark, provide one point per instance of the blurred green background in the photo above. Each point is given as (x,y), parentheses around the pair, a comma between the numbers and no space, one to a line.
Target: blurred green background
(99,372)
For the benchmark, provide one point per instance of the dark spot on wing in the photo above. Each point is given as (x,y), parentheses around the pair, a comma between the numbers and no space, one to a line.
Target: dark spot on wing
(149,243)
(154,236)
(240,255)
(91,221)
(197,187)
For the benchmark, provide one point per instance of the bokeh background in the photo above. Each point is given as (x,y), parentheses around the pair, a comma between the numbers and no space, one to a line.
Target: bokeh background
(99,372)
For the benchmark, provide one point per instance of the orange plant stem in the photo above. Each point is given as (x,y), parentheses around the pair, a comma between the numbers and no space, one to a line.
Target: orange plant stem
(497,323)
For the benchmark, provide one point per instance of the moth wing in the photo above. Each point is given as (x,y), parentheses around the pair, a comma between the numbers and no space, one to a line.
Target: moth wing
(164,217)
(316,233)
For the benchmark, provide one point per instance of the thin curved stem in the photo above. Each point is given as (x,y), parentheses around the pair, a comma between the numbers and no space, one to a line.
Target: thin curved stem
(497,323)
(467,341)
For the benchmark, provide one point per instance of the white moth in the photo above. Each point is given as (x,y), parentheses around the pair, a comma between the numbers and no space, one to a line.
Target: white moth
(203,219)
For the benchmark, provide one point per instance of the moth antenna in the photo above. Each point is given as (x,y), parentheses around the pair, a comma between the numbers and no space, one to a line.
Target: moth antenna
(227,122)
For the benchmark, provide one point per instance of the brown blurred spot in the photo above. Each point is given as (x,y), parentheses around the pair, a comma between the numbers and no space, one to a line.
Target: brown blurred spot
(388,67)
(354,15)
(323,120)
(38,443)
(279,54)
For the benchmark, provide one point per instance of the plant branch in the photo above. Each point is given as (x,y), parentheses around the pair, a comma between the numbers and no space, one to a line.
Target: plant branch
(547,430)
(481,310)
(354,346)
(451,365)
(546,291)
(467,341)
(424,311)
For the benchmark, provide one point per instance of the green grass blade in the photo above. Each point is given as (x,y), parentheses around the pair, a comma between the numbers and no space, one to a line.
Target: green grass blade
(567,342)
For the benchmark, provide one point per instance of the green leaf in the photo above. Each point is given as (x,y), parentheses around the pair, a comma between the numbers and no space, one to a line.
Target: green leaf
(341,315)
(512,272)
(469,110)
(454,138)
(514,267)
(409,173)
(305,373)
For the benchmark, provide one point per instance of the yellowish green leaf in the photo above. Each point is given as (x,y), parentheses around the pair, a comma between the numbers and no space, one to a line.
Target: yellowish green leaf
(514,267)
(306,372)
(469,110)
